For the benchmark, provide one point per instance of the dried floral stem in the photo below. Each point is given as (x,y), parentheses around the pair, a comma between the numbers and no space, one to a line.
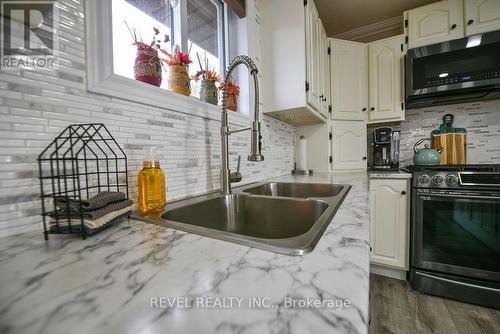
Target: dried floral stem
(130,31)
(206,62)
(201,66)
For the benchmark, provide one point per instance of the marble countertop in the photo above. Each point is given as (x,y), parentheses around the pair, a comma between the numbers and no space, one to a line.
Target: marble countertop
(141,278)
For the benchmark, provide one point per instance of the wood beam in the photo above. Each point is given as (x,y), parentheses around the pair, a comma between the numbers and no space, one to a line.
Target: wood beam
(238,6)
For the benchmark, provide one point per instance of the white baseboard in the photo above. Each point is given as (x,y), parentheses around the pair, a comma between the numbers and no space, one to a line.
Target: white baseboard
(399,274)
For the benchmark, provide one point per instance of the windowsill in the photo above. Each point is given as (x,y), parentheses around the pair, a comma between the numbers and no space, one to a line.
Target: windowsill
(146,94)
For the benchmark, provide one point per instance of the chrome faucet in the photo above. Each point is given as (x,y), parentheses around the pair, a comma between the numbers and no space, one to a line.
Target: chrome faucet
(255,150)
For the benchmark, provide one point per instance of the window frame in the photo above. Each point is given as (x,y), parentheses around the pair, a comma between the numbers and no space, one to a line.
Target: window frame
(180,15)
(101,78)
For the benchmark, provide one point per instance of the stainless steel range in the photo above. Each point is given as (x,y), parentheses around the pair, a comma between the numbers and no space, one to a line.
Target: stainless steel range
(455,234)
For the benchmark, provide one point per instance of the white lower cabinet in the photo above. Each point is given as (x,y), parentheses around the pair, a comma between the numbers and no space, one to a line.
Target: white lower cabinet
(348,145)
(389,222)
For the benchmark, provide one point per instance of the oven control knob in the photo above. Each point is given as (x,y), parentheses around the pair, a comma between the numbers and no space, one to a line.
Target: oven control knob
(437,179)
(424,178)
(451,179)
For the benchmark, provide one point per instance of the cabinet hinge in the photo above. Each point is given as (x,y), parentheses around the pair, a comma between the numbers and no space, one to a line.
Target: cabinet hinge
(331,159)
(305,2)
(307,86)
(330,135)
(329,50)
(406,23)
(406,39)
(401,47)
(402,106)
(330,109)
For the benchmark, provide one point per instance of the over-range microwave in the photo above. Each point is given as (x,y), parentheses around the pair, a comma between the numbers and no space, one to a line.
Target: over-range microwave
(461,70)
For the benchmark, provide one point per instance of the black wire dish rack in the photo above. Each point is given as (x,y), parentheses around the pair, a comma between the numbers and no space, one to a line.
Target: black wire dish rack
(81,162)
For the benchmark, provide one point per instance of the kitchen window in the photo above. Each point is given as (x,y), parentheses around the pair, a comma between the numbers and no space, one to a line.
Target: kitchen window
(196,26)
(207,27)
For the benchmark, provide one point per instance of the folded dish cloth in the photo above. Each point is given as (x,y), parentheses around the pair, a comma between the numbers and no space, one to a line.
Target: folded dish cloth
(92,214)
(98,201)
(95,223)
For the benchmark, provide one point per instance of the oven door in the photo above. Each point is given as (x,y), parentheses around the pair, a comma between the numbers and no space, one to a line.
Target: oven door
(457,233)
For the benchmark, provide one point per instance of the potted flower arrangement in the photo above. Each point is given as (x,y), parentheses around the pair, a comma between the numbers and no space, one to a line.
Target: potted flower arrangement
(209,78)
(178,78)
(147,65)
(233,91)
(208,88)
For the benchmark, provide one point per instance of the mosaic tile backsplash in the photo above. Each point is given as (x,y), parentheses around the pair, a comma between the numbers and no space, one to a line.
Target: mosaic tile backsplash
(36,106)
(480,119)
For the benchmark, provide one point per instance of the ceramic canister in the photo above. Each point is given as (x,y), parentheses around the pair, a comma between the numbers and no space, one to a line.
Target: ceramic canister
(147,66)
(178,80)
(208,91)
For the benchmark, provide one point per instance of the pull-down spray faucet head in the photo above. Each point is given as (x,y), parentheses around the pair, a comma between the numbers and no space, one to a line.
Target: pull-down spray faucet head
(256,143)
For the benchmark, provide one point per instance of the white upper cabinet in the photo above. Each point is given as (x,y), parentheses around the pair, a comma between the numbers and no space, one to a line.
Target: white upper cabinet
(291,61)
(313,41)
(389,222)
(348,145)
(438,22)
(481,16)
(385,80)
(324,72)
(349,80)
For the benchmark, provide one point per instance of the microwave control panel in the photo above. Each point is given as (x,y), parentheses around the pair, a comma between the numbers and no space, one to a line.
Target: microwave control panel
(445,79)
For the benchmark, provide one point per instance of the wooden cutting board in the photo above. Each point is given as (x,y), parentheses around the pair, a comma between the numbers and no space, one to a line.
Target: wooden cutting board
(454,147)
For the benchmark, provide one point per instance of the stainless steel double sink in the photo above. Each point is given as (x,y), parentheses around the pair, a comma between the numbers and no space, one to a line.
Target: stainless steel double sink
(283,217)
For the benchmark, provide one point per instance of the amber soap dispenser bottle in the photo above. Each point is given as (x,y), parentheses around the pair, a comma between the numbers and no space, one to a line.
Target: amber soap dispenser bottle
(151,182)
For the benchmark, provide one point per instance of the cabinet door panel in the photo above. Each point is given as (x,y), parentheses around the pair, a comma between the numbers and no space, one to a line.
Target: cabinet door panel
(312,55)
(386,95)
(434,23)
(348,145)
(481,16)
(349,77)
(389,217)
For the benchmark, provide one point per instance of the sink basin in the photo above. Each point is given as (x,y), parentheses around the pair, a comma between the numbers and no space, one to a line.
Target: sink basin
(287,218)
(259,217)
(298,190)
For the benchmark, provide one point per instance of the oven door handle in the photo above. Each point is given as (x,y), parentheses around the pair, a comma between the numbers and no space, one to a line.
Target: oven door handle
(464,196)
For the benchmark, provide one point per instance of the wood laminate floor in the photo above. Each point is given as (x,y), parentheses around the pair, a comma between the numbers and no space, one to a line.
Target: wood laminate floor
(396,309)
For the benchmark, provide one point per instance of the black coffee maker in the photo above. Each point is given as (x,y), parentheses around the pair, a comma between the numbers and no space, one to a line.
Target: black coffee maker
(385,149)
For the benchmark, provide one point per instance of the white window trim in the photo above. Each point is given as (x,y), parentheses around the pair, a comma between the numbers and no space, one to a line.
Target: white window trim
(101,78)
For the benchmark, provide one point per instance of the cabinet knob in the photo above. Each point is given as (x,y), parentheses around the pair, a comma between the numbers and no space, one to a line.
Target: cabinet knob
(453,26)
(372,108)
(364,158)
(470,22)
(321,96)
(324,99)
(403,192)
(364,109)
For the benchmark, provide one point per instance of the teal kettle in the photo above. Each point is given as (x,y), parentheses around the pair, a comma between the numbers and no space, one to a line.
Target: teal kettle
(426,156)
